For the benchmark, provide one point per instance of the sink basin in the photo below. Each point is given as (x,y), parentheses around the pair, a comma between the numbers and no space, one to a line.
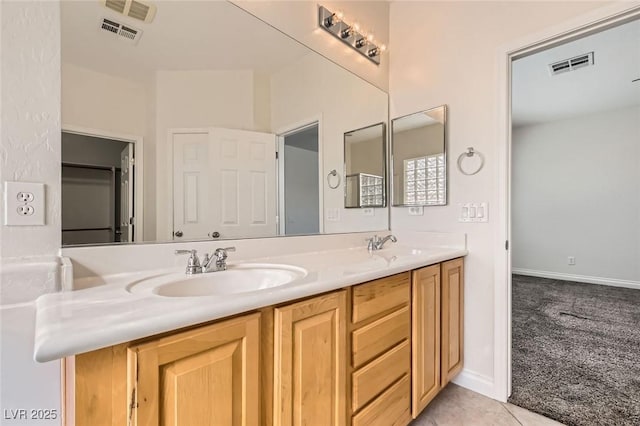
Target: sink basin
(241,278)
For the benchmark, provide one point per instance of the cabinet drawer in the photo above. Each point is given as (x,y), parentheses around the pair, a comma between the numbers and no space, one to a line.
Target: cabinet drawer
(379,374)
(389,409)
(379,336)
(376,297)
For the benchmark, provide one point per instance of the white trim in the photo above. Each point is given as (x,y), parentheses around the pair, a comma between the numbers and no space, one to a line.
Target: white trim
(583,25)
(282,228)
(138,141)
(613,282)
(475,382)
(299,125)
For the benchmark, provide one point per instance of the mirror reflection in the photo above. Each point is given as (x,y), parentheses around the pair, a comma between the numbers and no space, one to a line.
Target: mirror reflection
(365,160)
(199,121)
(418,150)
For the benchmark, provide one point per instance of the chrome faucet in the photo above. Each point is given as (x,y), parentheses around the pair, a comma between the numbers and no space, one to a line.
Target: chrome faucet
(218,258)
(193,264)
(211,263)
(377,243)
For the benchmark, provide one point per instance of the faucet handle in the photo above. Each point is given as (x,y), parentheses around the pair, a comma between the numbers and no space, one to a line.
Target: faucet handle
(371,243)
(221,253)
(191,252)
(193,264)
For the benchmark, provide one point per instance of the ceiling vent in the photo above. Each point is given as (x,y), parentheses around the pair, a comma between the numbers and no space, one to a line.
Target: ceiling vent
(122,31)
(136,9)
(571,64)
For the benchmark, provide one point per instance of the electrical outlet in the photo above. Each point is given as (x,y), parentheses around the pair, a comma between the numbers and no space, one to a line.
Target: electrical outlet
(571,260)
(416,211)
(24,204)
(25,210)
(25,197)
(368,212)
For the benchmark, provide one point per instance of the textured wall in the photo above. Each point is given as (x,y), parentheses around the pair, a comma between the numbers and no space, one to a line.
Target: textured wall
(30,152)
(30,116)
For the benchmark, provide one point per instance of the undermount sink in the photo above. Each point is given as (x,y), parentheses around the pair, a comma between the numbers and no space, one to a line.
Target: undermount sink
(241,278)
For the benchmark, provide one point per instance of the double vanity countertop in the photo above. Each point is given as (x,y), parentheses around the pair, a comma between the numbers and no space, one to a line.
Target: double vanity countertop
(108,312)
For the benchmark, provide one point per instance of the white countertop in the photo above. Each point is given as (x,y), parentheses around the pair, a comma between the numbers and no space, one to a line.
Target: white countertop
(106,314)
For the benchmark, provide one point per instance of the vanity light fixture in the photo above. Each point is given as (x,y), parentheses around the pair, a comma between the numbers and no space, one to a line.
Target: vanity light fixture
(350,34)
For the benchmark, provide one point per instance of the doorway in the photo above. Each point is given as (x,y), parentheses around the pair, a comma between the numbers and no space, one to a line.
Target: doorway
(98,190)
(299,186)
(575,216)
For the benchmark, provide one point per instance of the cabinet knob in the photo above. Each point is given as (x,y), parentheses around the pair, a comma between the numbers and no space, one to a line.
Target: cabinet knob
(178,234)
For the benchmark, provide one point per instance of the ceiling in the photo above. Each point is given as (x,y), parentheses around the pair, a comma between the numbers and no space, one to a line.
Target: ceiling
(538,97)
(185,35)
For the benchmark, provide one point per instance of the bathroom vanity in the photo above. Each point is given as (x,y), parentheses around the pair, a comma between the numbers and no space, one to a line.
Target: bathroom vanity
(373,351)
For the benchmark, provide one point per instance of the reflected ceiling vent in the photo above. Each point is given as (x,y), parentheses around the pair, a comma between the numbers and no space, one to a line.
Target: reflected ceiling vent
(136,9)
(121,31)
(571,64)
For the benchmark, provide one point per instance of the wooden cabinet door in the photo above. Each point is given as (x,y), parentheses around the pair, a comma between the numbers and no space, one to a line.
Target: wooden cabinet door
(425,337)
(206,376)
(452,318)
(310,362)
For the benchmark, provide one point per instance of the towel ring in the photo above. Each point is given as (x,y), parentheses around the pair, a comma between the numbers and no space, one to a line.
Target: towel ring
(470,153)
(333,173)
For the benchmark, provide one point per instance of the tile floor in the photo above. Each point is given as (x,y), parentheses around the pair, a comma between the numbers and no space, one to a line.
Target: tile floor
(457,406)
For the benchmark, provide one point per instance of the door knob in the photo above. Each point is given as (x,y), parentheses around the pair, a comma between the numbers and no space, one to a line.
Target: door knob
(214,234)
(178,234)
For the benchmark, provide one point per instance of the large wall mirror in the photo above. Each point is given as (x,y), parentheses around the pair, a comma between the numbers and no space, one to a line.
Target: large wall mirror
(365,167)
(419,158)
(199,121)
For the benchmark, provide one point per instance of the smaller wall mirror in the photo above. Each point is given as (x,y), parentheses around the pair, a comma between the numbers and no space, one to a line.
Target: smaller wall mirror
(364,164)
(419,158)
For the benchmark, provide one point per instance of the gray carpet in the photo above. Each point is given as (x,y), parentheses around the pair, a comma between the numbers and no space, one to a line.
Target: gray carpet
(576,351)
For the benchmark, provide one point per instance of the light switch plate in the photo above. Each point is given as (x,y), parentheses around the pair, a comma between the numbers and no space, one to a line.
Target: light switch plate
(332,214)
(473,212)
(24,204)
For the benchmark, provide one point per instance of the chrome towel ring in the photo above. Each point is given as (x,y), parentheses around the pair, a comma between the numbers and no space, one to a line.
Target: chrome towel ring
(333,172)
(470,153)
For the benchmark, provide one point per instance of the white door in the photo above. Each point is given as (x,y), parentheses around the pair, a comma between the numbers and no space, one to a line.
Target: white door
(191,179)
(231,195)
(245,165)
(126,194)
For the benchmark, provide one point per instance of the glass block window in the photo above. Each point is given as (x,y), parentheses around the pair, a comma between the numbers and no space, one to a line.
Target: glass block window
(424,180)
(371,189)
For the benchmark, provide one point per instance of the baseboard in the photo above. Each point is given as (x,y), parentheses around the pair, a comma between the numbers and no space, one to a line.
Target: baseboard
(476,382)
(578,278)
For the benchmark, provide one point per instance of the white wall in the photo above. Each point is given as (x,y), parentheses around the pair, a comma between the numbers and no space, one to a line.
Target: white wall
(99,101)
(30,152)
(300,20)
(576,192)
(447,53)
(304,89)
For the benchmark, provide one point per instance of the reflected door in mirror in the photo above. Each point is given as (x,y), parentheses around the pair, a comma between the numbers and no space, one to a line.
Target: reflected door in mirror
(224,183)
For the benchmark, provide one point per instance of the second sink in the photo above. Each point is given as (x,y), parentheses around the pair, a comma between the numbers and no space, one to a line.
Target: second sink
(241,278)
